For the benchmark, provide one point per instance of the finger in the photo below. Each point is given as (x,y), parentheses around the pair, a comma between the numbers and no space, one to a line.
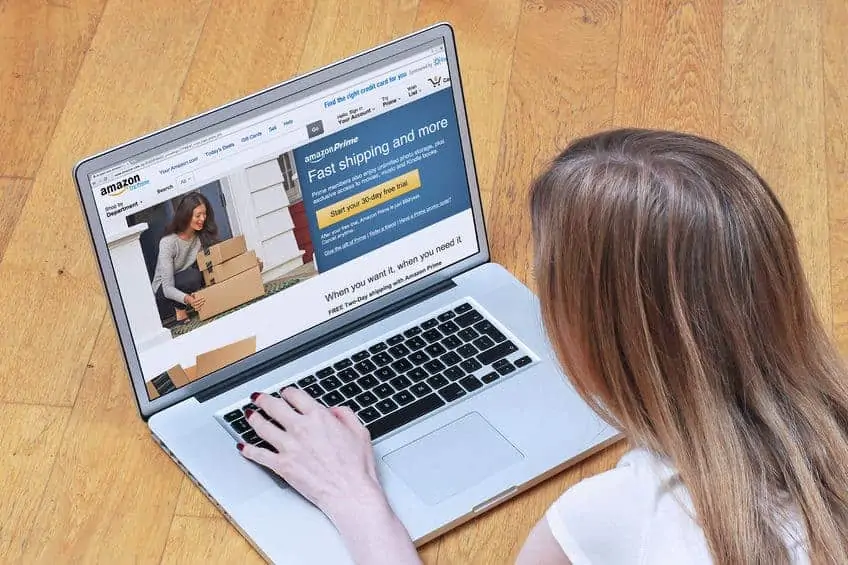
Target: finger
(259,455)
(278,409)
(349,419)
(265,429)
(301,401)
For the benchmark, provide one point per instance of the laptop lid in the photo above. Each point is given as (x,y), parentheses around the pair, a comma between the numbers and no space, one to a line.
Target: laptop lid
(293,212)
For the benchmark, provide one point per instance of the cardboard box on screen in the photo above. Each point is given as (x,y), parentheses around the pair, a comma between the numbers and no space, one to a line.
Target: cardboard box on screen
(220,252)
(230,268)
(230,293)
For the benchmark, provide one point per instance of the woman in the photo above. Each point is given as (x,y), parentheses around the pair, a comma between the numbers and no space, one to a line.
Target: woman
(672,291)
(177,276)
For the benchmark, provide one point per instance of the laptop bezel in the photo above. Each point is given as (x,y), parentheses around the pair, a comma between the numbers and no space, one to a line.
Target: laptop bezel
(240,109)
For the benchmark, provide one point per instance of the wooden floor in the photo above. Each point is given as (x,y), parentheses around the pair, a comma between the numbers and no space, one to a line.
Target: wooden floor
(80,479)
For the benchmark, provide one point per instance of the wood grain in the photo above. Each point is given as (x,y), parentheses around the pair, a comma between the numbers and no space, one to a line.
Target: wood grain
(82,480)
(43,44)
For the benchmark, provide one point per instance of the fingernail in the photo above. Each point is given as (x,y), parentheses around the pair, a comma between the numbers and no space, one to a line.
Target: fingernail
(254,396)
(248,413)
(240,446)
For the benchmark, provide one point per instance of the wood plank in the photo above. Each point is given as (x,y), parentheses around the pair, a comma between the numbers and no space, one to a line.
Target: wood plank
(206,540)
(834,47)
(43,44)
(13,195)
(669,67)
(485,66)
(192,502)
(29,443)
(242,51)
(772,113)
(112,492)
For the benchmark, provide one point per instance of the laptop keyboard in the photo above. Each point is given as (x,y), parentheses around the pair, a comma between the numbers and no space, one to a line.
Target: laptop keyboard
(413,372)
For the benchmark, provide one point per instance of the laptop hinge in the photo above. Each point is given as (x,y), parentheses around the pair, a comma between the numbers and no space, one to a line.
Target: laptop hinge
(324,340)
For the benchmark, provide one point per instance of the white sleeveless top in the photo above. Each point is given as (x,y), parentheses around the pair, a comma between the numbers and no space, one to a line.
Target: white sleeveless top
(636,513)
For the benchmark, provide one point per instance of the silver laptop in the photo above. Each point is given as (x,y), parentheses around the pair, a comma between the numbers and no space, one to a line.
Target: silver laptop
(340,249)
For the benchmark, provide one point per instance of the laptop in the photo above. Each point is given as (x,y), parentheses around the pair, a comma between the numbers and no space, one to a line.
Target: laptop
(329,233)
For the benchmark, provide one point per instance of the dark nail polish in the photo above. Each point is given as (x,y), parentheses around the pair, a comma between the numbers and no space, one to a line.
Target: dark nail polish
(240,446)
(247,413)
(254,396)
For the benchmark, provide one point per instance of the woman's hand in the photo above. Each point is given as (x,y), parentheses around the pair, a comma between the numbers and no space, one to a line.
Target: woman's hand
(326,455)
(195,302)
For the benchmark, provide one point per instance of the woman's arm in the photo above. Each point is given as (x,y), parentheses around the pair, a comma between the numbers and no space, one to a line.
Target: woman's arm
(541,548)
(165,266)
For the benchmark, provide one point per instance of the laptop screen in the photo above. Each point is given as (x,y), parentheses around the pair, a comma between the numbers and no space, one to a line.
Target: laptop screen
(260,228)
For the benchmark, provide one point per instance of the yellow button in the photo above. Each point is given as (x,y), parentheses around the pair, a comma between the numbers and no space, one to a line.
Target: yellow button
(369,198)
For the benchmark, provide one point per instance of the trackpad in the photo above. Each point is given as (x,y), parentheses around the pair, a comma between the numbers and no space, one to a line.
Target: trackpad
(453,458)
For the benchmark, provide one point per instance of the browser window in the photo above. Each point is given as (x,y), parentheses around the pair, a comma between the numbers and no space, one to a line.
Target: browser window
(254,232)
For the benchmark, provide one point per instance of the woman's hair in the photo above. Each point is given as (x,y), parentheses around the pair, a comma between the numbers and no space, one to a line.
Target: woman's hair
(182,218)
(674,296)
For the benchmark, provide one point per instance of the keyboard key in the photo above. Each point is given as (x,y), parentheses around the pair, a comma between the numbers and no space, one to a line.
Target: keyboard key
(240,425)
(251,437)
(445,316)
(333,398)
(419,357)
(450,358)
(470,383)
(452,392)
(496,335)
(415,343)
(484,326)
(402,365)
(387,405)
(395,339)
(266,445)
(497,352)
(462,308)
(366,399)
(483,342)
(404,397)
(505,369)
(383,390)
(368,381)
(365,367)
(330,383)
(250,406)
(325,372)
(454,373)
(399,351)
(314,391)
(432,335)
(467,351)
(351,404)
(471,365)
(452,342)
(234,415)
(523,361)
(421,389)
(405,415)
(431,323)
(350,390)
(361,356)
(275,394)
(368,414)
(490,377)
(448,328)
(384,373)
(470,317)
(415,330)
(306,381)
(435,349)
(400,382)
(382,358)
(434,366)
(343,364)
(347,375)
(378,347)
(437,381)
(417,374)
(468,334)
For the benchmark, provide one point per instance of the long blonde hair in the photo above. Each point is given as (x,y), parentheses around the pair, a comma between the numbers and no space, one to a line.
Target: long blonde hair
(674,296)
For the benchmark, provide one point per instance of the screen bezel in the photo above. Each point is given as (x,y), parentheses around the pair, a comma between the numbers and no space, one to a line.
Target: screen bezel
(241,109)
